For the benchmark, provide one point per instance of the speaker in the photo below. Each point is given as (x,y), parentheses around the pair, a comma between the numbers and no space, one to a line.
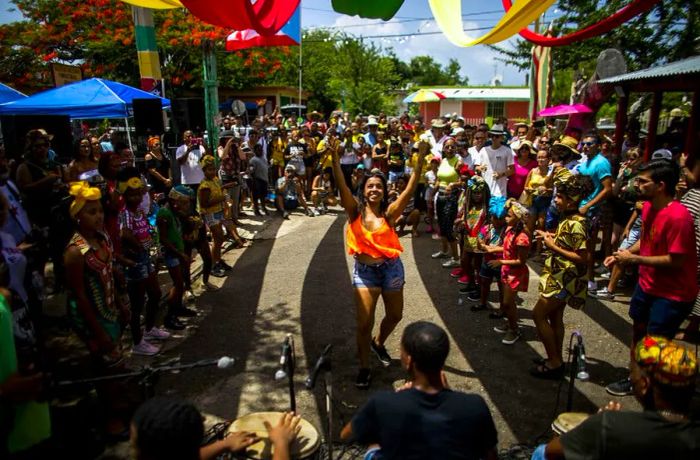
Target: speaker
(15,128)
(148,117)
(188,113)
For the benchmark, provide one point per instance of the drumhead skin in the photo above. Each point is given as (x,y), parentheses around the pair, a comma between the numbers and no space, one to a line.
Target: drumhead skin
(306,443)
(567,421)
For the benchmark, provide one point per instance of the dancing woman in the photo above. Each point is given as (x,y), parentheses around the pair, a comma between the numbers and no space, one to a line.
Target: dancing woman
(375,245)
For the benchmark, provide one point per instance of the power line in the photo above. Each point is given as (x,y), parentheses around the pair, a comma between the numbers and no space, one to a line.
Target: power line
(430,18)
(399,35)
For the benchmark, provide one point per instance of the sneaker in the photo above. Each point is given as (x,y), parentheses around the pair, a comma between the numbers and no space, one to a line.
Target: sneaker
(511,337)
(364,378)
(382,354)
(189,296)
(450,263)
(218,272)
(144,348)
(605,276)
(285,215)
(225,266)
(310,213)
(464,279)
(316,212)
(620,388)
(474,296)
(156,333)
(592,286)
(503,328)
(173,323)
(468,289)
(603,294)
(457,273)
(439,255)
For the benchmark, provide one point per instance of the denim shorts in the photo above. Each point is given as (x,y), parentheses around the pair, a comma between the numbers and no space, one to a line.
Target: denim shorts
(394,176)
(373,453)
(388,275)
(662,316)
(213,219)
(290,204)
(142,270)
(490,273)
(632,238)
(171,260)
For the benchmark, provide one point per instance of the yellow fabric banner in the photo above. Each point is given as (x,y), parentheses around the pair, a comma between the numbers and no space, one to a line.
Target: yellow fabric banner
(149,64)
(156,4)
(448,15)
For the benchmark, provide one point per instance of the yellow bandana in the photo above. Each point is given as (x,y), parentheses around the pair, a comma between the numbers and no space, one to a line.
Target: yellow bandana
(82,193)
(668,362)
(134,182)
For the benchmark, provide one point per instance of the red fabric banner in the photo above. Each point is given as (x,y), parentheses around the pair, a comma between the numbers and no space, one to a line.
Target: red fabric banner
(266,17)
(623,15)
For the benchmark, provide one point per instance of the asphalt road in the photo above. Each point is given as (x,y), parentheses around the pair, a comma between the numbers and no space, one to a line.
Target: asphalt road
(295,279)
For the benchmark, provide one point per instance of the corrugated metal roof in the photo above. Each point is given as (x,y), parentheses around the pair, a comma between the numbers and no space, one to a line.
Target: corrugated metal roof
(485,94)
(684,67)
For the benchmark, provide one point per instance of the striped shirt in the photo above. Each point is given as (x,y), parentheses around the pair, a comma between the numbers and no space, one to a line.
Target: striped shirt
(691,200)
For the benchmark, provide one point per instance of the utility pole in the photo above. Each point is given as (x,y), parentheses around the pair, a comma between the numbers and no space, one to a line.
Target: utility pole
(211,94)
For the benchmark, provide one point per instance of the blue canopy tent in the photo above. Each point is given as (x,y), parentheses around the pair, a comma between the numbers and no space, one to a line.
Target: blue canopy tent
(8,94)
(93,98)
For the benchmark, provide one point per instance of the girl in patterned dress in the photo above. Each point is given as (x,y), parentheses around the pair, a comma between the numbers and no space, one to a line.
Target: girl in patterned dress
(514,273)
(563,280)
(472,216)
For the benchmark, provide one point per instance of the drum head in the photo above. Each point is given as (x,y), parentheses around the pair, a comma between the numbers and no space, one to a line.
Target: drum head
(567,421)
(306,443)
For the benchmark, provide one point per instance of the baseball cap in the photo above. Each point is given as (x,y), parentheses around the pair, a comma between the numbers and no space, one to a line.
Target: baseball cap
(662,154)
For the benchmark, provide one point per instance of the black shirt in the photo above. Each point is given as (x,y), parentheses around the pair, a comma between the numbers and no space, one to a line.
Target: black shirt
(411,424)
(632,435)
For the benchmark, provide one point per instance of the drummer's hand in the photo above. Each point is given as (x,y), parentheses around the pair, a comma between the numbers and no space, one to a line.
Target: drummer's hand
(611,406)
(286,429)
(239,440)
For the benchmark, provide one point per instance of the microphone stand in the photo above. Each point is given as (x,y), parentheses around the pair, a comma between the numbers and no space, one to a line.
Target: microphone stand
(290,364)
(575,353)
(328,390)
(148,376)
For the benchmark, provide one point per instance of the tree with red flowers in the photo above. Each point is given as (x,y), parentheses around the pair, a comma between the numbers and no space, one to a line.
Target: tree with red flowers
(98,35)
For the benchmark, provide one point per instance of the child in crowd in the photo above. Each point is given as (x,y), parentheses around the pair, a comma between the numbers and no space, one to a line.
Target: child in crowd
(490,242)
(410,215)
(173,250)
(141,275)
(322,192)
(259,172)
(396,160)
(194,233)
(211,199)
(473,214)
(539,189)
(563,277)
(514,272)
(430,191)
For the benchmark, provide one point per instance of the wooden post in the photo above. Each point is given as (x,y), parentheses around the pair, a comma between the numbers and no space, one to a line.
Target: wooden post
(653,124)
(620,119)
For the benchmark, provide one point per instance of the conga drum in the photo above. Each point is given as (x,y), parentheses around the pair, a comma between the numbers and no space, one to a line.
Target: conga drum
(567,421)
(303,447)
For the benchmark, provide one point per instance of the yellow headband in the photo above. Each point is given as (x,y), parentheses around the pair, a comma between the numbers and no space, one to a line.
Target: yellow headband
(134,182)
(82,193)
(207,160)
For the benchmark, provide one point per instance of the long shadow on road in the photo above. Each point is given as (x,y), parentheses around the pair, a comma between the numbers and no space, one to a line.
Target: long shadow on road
(228,330)
(526,405)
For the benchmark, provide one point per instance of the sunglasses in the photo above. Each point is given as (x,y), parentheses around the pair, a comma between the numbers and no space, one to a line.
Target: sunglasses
(588,144)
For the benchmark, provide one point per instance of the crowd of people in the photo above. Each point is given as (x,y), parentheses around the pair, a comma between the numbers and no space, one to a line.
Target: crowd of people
(493,199)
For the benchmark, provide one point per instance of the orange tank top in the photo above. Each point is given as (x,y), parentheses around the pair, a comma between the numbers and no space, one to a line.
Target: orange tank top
(381,243)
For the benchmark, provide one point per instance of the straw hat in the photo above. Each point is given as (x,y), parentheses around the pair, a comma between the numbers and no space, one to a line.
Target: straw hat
(567,145)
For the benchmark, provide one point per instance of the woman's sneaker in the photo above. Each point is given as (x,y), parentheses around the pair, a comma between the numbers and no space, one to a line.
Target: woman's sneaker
(439,255)
(457,273)
(157,333)
(474,296)
(503,328)
(604,294)
(382,354)
(144,348)
(451,263)
(364,378)
(620,388)
(511,337)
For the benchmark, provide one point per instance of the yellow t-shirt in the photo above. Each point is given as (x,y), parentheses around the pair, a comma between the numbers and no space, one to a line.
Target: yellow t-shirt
(216,192)
(413,161)
(278,146)
(417,135)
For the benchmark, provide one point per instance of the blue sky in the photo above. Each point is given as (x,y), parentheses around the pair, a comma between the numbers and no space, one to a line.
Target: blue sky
(478,63)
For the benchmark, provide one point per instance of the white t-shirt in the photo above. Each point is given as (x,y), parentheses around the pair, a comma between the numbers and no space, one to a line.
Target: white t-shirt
(471,158)
(496,160)
(190,171)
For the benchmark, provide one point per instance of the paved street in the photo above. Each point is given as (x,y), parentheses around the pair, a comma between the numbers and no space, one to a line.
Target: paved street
(295,279)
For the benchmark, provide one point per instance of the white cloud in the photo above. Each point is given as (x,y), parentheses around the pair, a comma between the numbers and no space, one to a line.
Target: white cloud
(477,62)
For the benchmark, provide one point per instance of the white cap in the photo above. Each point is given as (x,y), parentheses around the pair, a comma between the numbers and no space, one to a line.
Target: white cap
(662,154)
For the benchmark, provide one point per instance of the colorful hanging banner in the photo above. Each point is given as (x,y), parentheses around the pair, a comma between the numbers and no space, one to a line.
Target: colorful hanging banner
(540,87)
(155,4)
(266,17)
(370,9)
(147,49)
(448,15)
(634,8)
(289,35)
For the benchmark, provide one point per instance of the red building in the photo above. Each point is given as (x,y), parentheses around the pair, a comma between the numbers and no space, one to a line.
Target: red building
(479,104)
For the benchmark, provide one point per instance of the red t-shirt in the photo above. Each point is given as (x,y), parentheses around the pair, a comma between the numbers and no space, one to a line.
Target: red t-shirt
(669,231)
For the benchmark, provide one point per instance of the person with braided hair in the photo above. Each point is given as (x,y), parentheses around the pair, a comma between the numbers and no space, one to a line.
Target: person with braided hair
(563,280)
(514,273)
